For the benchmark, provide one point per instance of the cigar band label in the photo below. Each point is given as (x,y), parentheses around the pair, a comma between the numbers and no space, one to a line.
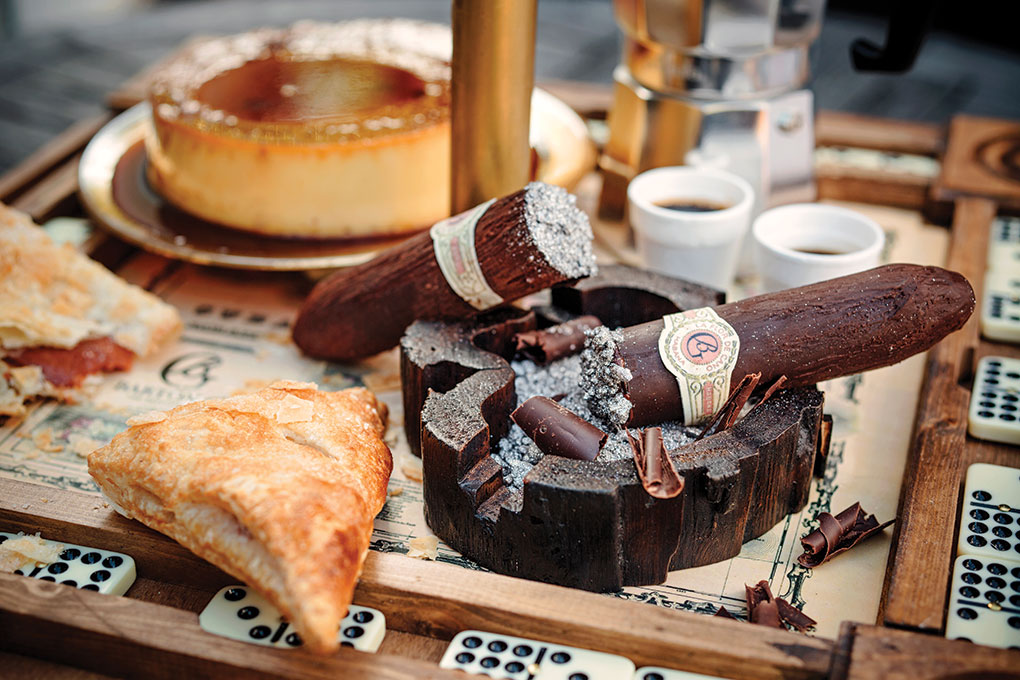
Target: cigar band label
(700,349)
(453,240)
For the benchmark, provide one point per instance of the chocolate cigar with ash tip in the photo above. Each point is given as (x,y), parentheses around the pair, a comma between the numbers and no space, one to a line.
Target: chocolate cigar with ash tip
(494,253)
(809,334)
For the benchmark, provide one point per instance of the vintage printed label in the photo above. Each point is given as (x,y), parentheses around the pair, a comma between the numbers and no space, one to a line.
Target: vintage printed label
(700,349)
(453,240)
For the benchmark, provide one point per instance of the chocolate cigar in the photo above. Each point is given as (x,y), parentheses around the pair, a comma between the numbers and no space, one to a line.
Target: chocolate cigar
(826,330)
(557,430)
(555,342)
(494,253)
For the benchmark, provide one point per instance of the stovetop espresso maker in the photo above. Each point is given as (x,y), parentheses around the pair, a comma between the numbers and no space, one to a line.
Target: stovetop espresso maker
(723,83)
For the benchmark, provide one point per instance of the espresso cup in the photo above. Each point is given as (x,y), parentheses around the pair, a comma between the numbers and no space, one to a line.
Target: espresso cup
(805,243)
(699,237)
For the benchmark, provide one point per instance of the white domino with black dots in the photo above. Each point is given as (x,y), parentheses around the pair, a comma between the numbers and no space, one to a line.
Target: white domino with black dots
(990,517)
(82,567)
(995,401)
(1000,310)
(514,658)
(1004,245)
(984,605)
(240,613)
(657,673)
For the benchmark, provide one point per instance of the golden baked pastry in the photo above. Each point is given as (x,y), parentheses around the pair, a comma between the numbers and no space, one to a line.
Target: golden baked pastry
(65,317)
(277,488)
(318,130)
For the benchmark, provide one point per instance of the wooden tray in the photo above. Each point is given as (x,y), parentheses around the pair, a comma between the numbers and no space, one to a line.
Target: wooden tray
(51,630)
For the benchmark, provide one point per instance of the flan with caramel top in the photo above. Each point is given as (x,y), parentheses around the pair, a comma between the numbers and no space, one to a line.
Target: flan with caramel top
(317,130)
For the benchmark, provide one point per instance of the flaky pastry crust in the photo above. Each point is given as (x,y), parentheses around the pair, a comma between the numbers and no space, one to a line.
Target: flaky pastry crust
(278,488)
(54,296)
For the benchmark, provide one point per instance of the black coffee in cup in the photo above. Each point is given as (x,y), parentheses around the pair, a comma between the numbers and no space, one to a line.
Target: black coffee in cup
(691,205)
(822,251)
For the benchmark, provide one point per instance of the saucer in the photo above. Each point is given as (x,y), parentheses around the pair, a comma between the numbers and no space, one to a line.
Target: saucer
(114,190)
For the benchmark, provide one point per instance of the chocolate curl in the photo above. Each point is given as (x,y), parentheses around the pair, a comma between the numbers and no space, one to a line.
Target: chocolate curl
(838,534)
(654,467)
(557,430)
(727,415)
(761,608)
(766,614)
(555,342)
(766,610)
(793,616)
(824,439)
(731,409)
(772,389)
(724,613)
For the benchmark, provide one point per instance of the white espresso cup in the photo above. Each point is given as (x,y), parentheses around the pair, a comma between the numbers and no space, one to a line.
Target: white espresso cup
(805,243)
(700,243)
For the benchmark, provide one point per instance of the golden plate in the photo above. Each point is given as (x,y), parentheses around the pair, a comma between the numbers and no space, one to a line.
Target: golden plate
(558,134)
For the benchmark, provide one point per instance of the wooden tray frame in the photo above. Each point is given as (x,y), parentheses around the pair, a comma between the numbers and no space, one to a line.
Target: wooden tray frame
(154,632)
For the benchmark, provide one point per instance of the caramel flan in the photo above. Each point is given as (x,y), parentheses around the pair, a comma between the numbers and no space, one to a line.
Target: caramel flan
(317,130)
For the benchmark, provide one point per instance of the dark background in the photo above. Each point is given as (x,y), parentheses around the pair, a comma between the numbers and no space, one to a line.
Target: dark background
(58,58)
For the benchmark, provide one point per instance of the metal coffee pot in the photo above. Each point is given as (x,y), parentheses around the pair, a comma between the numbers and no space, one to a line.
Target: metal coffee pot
(714,82)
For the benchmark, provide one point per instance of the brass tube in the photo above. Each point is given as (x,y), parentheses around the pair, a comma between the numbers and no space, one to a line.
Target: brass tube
(493,75)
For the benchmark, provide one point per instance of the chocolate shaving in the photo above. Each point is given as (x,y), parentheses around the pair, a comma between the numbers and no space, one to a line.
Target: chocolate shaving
(654,467)
(824,440)
(793,616)
(729,412)
(837,534)
(766,610)
(766,614)
(724,613)
(772,389)
(731,409)
(557,430)
(760,606)
(555,342)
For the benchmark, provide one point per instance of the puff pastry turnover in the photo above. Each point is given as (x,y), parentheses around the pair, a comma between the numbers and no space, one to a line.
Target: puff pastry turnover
(277,488)
(64,316)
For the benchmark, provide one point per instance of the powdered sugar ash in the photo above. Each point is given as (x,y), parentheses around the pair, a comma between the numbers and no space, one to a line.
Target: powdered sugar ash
(602,379)
(517,454)
(559,229)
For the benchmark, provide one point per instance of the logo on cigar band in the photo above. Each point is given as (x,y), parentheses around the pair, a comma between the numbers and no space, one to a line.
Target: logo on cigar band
(700,349)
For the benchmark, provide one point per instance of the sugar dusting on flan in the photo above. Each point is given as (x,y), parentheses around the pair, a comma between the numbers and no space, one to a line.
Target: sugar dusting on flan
(420,48)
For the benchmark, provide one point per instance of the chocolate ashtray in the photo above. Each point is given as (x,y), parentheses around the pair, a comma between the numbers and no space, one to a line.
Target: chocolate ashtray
(591,524)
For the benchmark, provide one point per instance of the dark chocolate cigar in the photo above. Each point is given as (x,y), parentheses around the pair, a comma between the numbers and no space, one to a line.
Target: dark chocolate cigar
(555,342)
(494,253)
(557,430)
(826,330)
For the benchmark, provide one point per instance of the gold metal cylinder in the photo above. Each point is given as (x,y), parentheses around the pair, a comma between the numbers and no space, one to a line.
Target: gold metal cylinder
(493,75)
